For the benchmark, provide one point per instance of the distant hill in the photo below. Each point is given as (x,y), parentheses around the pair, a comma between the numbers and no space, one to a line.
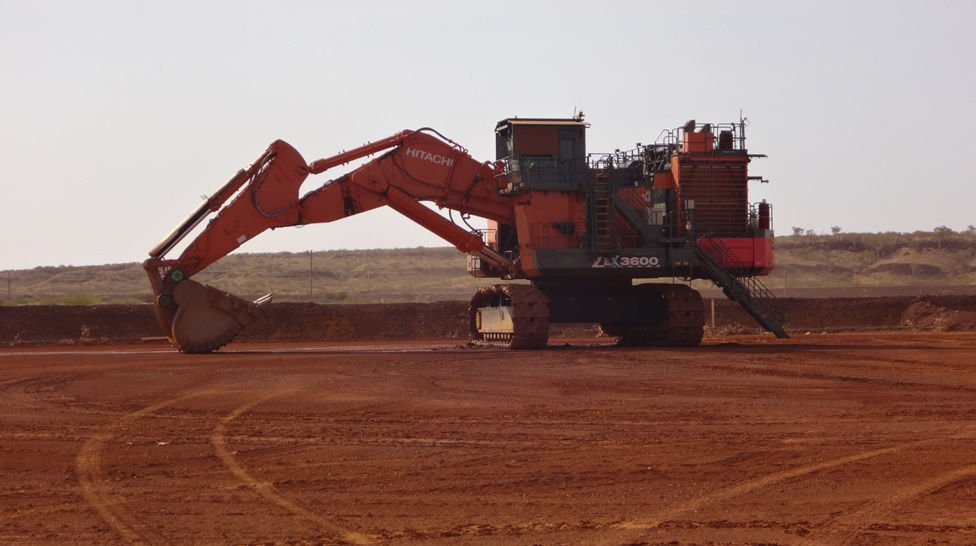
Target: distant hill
(807,265)
(337,276)
(853,261)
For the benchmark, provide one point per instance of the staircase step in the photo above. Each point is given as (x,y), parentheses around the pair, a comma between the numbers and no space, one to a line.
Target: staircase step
(749,292)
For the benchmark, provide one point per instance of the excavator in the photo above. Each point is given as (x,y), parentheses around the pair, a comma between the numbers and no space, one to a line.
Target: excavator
(579,235)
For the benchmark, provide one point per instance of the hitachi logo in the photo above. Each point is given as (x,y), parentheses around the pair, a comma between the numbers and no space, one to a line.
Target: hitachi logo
(427,156)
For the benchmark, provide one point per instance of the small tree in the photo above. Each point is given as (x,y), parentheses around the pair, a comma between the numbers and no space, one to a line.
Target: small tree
(941,232)
(797,231)
(971,229)
(811,233)
(834,230)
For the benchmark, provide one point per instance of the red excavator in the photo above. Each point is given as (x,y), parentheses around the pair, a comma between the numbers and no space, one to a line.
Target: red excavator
(585,230)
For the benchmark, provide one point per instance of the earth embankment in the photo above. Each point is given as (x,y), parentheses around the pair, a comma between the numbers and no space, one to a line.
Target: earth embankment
(445,320)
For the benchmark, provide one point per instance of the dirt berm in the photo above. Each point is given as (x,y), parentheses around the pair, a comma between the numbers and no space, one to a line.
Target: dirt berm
(442,320)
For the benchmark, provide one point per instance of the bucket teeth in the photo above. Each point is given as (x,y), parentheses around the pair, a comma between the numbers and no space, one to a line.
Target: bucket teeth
(207,318)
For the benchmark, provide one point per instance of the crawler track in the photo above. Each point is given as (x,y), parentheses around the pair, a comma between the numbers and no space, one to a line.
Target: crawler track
(682,325)
(530,316)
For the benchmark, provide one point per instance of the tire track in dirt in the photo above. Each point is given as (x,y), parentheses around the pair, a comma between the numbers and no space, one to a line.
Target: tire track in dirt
(43,510)
(741,488)
(265,489)
(747,486)
(91,477)
(845,528)
(39,380)
(866,515)
(61,377)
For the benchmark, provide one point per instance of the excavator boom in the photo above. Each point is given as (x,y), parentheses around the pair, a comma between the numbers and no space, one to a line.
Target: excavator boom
(415,166)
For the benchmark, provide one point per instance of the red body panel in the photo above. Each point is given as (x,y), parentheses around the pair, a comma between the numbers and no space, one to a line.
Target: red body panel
(536,220)
(747,253)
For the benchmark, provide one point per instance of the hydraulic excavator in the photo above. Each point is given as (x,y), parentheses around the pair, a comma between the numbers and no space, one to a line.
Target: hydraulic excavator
(585,230)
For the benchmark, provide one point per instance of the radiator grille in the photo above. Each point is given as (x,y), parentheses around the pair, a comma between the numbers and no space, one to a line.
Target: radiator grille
(720,192)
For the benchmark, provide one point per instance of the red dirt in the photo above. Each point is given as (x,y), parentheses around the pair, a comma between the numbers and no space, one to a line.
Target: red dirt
(823,439)
(923,315)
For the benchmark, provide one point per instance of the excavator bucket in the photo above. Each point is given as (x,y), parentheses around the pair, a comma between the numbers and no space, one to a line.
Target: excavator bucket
(199,318)
(206,318)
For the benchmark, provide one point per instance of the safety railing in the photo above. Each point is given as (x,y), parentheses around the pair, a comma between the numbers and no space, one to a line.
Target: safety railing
(654,158)
(486,234)
(675,137)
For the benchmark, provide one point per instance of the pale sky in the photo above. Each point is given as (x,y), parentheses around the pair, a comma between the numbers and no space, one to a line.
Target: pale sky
(117,116)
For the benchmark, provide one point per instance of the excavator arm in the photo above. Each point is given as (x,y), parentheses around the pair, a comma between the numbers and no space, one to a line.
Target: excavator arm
(415,166)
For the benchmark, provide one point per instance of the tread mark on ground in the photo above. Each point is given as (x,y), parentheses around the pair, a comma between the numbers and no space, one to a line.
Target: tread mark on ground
(850,525)
(265,489)
(88,468)
(763,481)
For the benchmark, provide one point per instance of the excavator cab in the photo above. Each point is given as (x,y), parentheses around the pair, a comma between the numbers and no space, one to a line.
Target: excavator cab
(543,154)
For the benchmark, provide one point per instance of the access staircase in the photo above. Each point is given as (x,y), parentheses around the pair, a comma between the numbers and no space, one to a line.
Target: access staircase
(602,214)
(749,291)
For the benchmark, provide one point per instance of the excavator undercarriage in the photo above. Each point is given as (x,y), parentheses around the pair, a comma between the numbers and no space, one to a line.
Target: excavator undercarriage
(680,321)
(584,230)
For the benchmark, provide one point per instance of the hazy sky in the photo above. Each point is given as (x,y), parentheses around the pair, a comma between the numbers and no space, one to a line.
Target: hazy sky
(117,116)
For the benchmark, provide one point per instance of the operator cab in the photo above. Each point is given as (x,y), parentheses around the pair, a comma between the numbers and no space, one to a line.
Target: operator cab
(543,153)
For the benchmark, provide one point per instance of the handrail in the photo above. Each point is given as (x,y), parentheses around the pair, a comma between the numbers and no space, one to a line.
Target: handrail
(754,294)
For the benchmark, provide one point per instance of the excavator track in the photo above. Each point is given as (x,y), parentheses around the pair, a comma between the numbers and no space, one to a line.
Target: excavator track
(524,317)
(682,325)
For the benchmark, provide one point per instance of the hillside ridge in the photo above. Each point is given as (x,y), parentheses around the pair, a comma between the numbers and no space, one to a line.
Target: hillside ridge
(807,265)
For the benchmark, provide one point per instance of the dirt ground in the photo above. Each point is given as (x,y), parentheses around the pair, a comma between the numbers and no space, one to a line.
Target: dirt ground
(857,438)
